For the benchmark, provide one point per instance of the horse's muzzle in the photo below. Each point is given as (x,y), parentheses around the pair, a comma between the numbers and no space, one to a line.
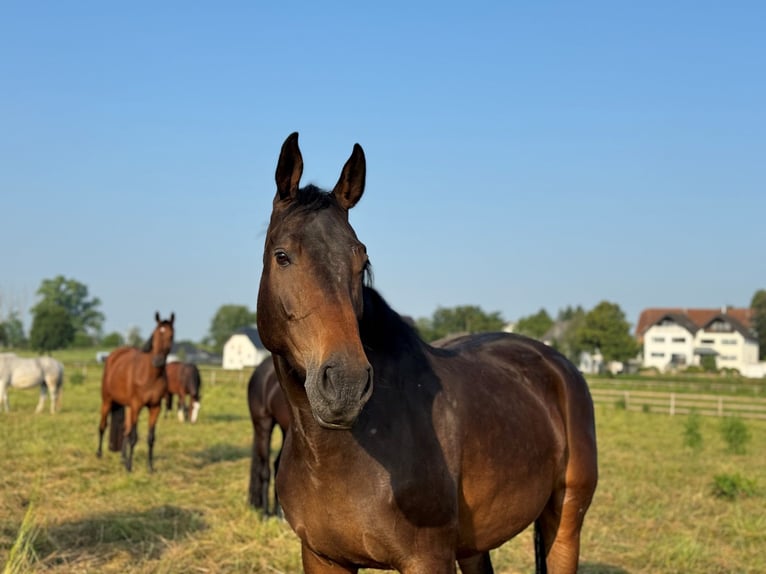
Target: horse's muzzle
(337,394)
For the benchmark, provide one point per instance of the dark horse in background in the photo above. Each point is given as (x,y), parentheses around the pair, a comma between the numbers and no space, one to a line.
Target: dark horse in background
(135,378)
(184,380)
(268,408)
(400,454)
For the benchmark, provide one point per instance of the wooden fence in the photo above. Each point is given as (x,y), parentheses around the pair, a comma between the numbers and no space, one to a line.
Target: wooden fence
(683,403)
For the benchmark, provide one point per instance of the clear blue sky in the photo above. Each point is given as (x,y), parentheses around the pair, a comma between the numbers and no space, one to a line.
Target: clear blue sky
(521,155)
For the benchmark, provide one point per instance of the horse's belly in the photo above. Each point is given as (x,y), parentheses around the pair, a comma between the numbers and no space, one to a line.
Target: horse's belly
(26,377)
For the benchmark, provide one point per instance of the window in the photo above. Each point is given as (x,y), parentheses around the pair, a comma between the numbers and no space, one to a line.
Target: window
(658,355)
(677,359)
(728,357)
(658,339)
(728,341)
(720,326)
(707,341)
(679,339)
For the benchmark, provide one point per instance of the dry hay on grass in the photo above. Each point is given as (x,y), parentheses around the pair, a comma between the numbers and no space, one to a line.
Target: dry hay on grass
(653,511)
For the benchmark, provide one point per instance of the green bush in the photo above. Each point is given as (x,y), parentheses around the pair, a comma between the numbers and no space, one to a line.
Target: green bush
(736,434)
(76,378)
(708,363)
(692,434)
(731,486)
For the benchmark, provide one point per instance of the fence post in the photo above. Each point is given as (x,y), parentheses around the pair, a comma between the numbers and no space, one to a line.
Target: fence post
(720,406)
(672,404)
(627,400)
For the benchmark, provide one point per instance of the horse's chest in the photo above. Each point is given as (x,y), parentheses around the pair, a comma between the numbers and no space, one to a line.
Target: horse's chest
(361,513)
(152,392)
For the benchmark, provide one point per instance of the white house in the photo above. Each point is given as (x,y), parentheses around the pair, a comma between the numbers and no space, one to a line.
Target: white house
(244,349)
(674,337)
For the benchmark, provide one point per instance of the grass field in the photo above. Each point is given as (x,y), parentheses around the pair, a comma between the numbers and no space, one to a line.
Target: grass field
(64,510)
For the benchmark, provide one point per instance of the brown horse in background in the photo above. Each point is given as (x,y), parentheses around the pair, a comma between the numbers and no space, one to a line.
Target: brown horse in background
(183,380)
(135,378)
(400,454)
(268,408)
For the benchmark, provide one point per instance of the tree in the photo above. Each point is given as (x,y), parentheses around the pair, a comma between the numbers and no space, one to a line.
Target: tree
(605,327)
(113,340)
(52,329)
(72,296)
(569,343)
(460,319)
(227,320)
(534,325)
(12,331)
(134,338)
(758,305)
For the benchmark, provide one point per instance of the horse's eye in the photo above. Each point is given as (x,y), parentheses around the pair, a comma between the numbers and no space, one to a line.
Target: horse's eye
(282,258)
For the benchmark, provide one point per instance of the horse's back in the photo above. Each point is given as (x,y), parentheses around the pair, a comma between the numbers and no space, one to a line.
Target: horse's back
(511,363)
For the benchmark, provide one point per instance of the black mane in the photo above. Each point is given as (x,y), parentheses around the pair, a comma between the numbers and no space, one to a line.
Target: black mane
(313,198)
(383,329)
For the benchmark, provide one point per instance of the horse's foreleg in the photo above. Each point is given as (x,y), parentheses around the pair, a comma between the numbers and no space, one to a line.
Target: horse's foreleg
(54,398)
(254,490)
(194,411)
(263,447)
(154,413)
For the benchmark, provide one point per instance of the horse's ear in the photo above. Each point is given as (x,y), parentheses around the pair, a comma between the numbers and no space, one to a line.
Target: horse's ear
(350,187)
(157,316)
(172,318)
(289,169)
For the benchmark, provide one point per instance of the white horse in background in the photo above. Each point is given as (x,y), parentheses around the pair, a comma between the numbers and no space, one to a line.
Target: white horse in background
(45,372)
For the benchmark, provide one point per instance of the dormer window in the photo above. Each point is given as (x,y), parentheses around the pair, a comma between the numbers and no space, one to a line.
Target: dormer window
(720,326)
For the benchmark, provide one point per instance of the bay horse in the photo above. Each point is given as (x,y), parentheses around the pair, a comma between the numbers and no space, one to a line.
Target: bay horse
(135,378)
(268,408)
(401,455)
(22,373)
(183,380)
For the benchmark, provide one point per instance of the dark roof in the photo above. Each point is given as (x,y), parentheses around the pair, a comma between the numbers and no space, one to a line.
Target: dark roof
(252,334)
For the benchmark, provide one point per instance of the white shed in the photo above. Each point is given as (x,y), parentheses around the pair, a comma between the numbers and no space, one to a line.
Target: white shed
(244,349)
